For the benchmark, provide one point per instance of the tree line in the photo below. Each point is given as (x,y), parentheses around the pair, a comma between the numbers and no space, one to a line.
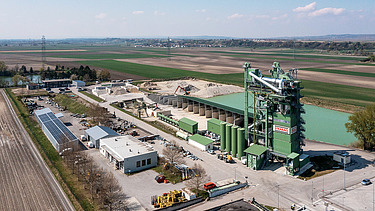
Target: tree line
(81,73)
(101,185)
(6,71)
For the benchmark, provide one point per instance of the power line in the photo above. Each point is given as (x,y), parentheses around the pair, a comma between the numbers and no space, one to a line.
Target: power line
(43,51)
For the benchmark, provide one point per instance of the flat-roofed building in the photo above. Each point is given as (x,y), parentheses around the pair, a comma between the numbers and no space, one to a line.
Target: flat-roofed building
(128,154)
(56,83)
(78,83)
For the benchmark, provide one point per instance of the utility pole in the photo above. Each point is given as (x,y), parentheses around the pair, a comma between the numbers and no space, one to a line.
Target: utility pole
(43,51)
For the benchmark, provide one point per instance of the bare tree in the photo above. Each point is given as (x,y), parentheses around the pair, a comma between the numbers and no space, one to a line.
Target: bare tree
(112,196)
(197,181)
(172,153)
(104,75)
(86,78)
(98,115)
(74,77)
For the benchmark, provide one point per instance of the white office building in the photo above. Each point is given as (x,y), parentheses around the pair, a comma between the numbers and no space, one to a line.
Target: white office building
(128,154)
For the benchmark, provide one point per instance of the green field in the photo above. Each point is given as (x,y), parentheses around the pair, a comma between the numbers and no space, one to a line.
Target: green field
(301,60)
(297,55)
(105,56)
(340,72)
(327,91)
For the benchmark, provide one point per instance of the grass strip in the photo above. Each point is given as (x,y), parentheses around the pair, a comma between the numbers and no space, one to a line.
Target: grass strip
(67,180)
(72,105)
(153,124)
(94,97)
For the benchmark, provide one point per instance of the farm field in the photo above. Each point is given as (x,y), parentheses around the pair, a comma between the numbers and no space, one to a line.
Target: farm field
(26,181)
(337,78)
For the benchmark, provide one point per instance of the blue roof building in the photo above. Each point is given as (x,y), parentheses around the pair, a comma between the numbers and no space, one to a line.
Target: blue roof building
(96,133)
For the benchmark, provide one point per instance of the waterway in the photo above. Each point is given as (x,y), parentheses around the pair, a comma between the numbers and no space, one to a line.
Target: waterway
(33,79)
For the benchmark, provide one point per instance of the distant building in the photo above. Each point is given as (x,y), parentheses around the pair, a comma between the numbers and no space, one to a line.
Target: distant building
(96,133)
(32,86)
(56,83)
(128,154)
(78,83)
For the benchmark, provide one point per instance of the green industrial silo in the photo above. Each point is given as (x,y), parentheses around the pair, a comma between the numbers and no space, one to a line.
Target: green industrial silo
(240,141)
(228,137)
(234,140)
(222,135)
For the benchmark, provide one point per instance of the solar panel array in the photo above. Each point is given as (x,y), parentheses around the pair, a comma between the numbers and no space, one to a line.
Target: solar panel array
(56,128)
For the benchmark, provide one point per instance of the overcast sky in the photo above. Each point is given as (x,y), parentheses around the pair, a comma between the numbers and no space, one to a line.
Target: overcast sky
(24,19)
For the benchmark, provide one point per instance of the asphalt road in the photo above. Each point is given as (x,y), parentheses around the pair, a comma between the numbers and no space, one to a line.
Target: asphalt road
(26,182)
(274,188)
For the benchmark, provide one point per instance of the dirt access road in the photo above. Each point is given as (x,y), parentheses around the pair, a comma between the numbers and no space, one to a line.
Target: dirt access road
(26,183)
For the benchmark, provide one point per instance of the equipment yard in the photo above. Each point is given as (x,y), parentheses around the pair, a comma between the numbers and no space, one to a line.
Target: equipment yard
(263,184)
(26,181)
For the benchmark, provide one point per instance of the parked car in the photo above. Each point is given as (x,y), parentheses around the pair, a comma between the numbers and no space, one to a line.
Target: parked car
(48,89)
(209,186)
(366,182)
(211,151)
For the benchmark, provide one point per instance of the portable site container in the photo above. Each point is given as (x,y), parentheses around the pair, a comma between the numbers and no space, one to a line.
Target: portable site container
(188,125)
(213,125)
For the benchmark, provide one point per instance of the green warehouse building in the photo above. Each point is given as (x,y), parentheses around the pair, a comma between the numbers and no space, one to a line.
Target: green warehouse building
(271,128)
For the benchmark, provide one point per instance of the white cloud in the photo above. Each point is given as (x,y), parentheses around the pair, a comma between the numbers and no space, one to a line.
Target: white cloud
(328,10)
(234,16)
(158,13)
(201,10)
(262,16)
(208,19)
(138,12)
(101,16)
(280,17)
(306,8)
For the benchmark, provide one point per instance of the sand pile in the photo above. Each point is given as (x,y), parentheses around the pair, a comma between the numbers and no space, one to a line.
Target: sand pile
(119,91)
(197,88)
(213,90)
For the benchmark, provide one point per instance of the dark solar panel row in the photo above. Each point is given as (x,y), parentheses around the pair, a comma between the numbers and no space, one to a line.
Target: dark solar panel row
(44,118)
(65,130)
(51,115)
(56,132)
